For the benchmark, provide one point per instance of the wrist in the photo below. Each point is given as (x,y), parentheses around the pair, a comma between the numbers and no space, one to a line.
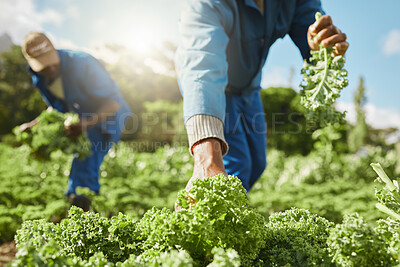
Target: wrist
(208,152)
(217,144)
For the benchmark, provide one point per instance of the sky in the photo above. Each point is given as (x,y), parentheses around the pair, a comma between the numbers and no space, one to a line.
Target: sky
(372,28)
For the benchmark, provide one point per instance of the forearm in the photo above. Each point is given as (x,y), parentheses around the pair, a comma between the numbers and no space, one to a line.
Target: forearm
(107,110)
(208,157)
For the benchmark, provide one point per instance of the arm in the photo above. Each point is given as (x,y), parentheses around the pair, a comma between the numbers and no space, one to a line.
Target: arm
(97,83)
(107,110)
(202,72)
(27,125)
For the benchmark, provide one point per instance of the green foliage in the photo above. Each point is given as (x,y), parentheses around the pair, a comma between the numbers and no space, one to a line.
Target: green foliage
(49,135)
(389,203)
(296,238)
(49,254)
(388,196)
(286,124)
(162,124)
(359,133)
(19,101)
(329,185)
(389,230)
(131,182)
(214,225)
(221,257)
(330,200)
(323,79)
(174,258)
(214,214)
(134,182)
(84,234)
(355,243)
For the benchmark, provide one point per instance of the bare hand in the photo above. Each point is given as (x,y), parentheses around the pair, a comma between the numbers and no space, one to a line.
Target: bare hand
(76,129)
(328,35)
(26,126)
(207,162)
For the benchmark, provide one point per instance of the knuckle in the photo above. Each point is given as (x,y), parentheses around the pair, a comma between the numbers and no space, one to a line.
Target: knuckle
(332,28)
(328,18)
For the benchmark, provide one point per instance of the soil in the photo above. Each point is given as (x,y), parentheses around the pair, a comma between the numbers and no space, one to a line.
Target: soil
(7,252)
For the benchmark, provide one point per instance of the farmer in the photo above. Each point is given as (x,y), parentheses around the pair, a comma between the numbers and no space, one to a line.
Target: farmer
(223,49)
(73,81)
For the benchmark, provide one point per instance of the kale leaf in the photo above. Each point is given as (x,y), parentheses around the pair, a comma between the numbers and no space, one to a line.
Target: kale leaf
(324,77)
(48,135)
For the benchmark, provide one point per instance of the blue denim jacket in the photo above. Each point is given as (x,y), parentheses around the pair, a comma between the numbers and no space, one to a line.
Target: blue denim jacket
(87,86)
(224,45)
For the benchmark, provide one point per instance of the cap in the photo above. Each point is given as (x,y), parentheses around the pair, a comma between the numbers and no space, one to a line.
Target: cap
(39,51)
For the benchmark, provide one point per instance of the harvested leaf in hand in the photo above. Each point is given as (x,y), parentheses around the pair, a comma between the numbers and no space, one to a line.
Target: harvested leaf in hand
(324,77)
(48,135)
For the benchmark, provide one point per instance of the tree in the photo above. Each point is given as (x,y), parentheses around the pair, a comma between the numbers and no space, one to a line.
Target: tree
(358,134)
(19,101)
(286,124)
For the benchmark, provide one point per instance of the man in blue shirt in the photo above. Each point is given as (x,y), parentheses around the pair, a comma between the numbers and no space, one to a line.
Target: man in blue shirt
(73,81)
(223,49)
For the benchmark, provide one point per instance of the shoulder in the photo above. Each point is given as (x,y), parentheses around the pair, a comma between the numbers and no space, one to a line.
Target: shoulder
(211,6)
(209,11)
(78,60)
(74,55)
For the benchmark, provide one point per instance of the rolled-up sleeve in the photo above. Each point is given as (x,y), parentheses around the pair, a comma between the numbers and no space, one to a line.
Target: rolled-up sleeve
(202,68)
(201,58)
(304,17)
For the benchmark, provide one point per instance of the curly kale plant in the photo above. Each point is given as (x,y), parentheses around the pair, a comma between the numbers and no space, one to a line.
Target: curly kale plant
(389,196)
(355,243)
(389,203)
(214,226)
(214,214)
(323,79)
(296,237)
(48,135)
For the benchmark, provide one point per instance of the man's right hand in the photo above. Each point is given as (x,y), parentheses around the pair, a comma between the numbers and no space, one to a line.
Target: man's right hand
(207,161)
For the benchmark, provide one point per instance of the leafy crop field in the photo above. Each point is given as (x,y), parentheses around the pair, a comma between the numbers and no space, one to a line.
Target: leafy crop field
(301,212)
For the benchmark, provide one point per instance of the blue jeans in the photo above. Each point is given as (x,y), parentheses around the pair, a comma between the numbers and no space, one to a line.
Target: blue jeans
(85,173)
(245,132)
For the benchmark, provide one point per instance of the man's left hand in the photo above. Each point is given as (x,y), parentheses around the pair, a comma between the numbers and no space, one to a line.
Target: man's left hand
(328,35)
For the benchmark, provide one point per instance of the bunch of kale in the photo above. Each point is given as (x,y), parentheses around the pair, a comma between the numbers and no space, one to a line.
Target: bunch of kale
(49,135)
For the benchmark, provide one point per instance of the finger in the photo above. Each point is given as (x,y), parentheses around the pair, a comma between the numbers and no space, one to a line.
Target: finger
(320,24)
(332,40)
(341,48)
(176,207)
(325,33)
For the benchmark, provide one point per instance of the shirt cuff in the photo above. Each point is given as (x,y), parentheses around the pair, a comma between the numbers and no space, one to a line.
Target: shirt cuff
(200,127)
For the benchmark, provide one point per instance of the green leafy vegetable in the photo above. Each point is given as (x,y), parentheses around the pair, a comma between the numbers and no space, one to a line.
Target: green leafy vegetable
(355,243)
(296,237)
(48,135)
(323,79)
